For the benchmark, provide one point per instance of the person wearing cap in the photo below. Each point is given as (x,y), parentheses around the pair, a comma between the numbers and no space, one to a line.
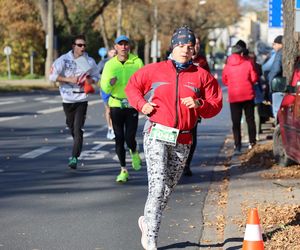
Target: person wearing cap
(276,71)
(72,78)
(114,79)
(173,94)
(240,76)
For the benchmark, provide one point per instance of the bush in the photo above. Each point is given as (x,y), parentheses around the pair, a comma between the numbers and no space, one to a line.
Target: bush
(32,76)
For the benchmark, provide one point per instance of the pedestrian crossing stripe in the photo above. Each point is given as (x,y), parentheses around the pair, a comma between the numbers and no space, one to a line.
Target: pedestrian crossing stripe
(37,152)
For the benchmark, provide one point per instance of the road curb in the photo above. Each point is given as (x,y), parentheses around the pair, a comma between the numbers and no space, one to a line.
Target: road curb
(214,210)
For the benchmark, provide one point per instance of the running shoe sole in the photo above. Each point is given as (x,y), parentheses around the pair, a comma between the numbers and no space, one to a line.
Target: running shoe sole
(143,238)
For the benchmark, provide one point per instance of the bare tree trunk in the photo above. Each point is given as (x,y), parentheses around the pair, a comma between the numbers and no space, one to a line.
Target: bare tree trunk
(67,17)
(103,32)
(291,42)
(155,40)
(50,36)
(147,49)
(119,23)
(43,7)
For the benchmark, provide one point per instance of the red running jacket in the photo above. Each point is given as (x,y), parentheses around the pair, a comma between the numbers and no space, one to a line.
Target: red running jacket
(239,76)
(164,86)
(202,62)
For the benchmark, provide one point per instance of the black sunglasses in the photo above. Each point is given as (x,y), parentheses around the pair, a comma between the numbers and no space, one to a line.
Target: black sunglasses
(80,44)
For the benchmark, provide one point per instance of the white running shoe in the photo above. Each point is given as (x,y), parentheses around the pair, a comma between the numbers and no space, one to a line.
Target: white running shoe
(110,134)
(143,229)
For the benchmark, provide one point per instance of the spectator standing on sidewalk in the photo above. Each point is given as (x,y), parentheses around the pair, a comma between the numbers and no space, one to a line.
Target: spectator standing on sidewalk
(71,78)
(201,61)
(258,89)
(259,94)
(114,79)
(180,93)
(240,76)
(110,131)
(276,71)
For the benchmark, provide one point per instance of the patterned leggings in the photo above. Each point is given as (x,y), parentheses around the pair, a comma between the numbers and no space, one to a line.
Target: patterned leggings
(165,165)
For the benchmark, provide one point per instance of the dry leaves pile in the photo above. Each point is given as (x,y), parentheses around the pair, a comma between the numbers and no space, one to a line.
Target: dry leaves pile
(281,223)
(259,157)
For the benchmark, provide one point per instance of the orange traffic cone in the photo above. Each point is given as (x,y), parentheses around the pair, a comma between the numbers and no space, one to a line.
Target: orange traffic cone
(253,236)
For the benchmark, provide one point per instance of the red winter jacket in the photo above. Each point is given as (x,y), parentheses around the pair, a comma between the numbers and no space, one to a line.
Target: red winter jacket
(296,78)
(165,87)
(239,76)
(296,74)
(202,62)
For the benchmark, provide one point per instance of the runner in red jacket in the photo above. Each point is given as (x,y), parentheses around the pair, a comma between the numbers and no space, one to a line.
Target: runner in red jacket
(240,76)
(179,93)
(167,87)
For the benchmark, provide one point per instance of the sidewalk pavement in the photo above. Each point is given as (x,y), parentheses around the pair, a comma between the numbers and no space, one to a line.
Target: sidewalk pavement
(26,82)
(234,190)
(7,86)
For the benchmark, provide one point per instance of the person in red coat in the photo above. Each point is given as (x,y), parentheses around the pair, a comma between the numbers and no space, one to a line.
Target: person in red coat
(239,76)
(198,59)
(173,94)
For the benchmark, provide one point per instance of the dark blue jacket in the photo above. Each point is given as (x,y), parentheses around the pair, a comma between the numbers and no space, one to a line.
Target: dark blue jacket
(276,69)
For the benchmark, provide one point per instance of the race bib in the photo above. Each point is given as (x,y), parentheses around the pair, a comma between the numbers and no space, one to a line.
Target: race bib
(164,134)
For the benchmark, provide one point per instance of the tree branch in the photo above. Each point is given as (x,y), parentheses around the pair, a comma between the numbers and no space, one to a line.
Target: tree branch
(94,15)
(67,17)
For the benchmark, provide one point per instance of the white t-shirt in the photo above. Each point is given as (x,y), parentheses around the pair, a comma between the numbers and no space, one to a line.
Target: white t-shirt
(66,66)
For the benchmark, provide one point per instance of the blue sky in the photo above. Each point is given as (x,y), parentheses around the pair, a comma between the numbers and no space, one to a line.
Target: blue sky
(256,3)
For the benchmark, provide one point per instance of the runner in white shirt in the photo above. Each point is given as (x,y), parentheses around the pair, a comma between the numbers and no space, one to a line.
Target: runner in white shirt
(75,71)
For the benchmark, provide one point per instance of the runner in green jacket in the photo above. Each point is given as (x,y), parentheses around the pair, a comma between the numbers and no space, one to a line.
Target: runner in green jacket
(114,79)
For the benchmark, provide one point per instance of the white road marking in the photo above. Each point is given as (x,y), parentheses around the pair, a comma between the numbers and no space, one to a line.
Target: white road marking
(95,102)
(88,134)
(104,142)
(11,102)
(3,119)
(95,153)
(52,101)
(49,111)
(37,152)
(52,110)
(41,98)
(41,112)
(98,146)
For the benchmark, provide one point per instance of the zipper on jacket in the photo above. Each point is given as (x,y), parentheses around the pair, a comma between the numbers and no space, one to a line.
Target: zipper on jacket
(176,100)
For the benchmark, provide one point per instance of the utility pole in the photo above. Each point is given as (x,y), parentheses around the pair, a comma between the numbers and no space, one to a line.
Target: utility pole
(49,39)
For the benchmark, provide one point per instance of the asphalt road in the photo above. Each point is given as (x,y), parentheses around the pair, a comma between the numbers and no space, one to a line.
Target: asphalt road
(44,205)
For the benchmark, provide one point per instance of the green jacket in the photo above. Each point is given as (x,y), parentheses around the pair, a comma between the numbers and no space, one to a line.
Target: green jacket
(114,68)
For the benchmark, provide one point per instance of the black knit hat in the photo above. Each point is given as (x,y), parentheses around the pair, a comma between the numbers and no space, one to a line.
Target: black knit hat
(237,49)
(278,39)
(183,35)
(241,43)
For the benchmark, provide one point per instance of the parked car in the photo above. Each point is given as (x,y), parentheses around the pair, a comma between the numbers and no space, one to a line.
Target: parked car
(286,137)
